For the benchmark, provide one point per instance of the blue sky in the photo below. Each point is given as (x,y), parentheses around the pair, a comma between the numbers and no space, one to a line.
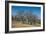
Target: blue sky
(35,10)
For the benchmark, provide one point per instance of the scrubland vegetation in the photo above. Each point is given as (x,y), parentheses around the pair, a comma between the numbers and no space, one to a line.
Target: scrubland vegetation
(25,19)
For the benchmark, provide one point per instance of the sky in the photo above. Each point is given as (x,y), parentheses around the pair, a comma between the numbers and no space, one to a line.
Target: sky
(34,10)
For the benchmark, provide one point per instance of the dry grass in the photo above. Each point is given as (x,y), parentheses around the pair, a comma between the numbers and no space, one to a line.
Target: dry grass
(16,24)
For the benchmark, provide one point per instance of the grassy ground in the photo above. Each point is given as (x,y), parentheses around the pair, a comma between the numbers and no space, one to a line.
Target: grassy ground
(16,24)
